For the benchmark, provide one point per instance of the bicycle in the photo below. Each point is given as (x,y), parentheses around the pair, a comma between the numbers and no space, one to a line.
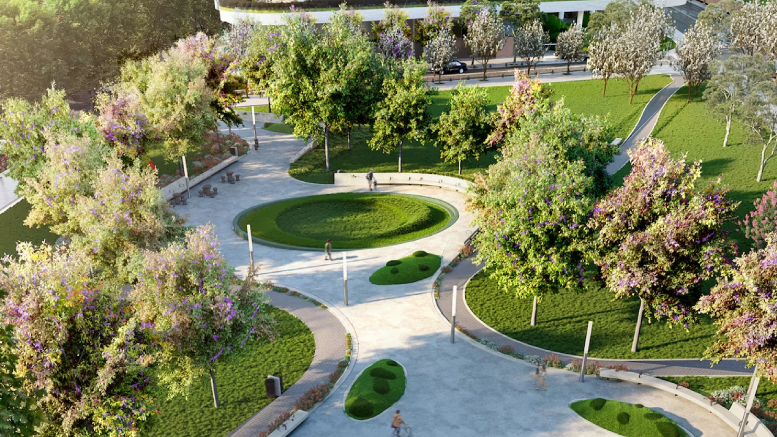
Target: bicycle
(404,431)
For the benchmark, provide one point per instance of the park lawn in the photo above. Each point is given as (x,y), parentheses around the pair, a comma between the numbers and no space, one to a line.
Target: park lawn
(686,128)
(562,319)
(240,383)
(257,108)
(705,385)
(420,265)
(350,220)
(278,128)
(641,422)
(14,230)
(580,96)
(379,387)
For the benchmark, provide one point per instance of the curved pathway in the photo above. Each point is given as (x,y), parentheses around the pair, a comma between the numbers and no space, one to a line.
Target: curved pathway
(453,389)
(462,273)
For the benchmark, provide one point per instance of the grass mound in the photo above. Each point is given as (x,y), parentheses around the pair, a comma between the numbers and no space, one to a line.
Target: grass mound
(370,395)
(410,269)
(350,220)
(240,384)
(563,316)
(627,419)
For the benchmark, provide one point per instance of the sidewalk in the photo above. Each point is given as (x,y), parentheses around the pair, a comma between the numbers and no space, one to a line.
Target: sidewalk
(7,195)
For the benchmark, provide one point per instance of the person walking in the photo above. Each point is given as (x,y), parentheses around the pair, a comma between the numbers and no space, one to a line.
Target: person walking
(369,179)
(537,376)
(543,373)
(328,250)
(397,422)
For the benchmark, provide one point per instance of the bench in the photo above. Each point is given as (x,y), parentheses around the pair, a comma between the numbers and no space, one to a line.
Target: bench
(290,424)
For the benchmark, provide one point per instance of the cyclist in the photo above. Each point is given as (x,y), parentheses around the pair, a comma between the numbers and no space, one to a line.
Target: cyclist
(397,423)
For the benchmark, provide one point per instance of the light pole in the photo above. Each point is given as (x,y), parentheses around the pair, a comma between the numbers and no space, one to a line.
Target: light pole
(186,176)
(256,140)
(585,351)
(453,315)
(250,246)
(345,278)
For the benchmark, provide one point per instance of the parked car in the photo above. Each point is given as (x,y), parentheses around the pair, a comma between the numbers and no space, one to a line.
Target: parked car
(454,67)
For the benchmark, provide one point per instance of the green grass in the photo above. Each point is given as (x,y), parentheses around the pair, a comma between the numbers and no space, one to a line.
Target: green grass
(580,96)
(350,220)
(363,390)
(408,271)
(705,385)
(278,128)
(257,108)
(240,384)
(14,230)
(562,319)
(688,129)
(637,426)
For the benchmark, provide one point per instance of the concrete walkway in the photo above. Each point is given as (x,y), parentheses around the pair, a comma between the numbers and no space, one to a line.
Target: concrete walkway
(453,389)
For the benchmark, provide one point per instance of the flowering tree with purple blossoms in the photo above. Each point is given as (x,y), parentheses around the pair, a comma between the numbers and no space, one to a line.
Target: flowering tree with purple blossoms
(742,305)
(526,96)
(470,10)
(185,298)
(437,20)
(485,37)
(123,125)
(256,64)
(762,221)
(659,236)
(394,44)
(75,339)
(531,209)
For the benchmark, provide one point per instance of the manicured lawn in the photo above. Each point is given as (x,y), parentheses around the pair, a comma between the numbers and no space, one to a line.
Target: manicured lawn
(580,96)
(350,220)
(240,384)
(415,267)
(562,319)
(14,230)
(688,129)
(635,419)
(706,385)
(278,128)
(379,387)
(257,108)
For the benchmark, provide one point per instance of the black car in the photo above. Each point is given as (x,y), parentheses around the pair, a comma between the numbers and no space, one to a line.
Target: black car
(454,67)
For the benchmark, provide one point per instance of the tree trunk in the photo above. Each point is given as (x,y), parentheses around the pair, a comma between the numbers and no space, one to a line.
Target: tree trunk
(326,146)
(473,61)
(534,312)
(218,140)
(688,100)
(400,156)
(635,343)
(485,68)
(636,87)
(728,130)
(631,94)
(459,167)
(528,67)
(568,63)
(515,55)
(763,164)
(269,108)
(213,389)
(604,88)
(349,138)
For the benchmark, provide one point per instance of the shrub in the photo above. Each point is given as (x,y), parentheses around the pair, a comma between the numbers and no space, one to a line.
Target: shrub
(335,376)
(394,270)
(275,424)
(507,350)
(381,386)
(667,429)
(639,406)
(623,417)
(392,363)
(652,416)
(684,384)
(419,254)
(394,262)
(466,251)
(342,364)
(598,403)
(488,343)
(446,269)
(423,267)
(532,359)
(552,360)
(312,397)
(361,408)
(380,372)
(591,367)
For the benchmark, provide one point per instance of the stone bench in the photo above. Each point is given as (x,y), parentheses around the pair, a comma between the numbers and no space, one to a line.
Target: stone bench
(290,424)
(731,417)
(360,180)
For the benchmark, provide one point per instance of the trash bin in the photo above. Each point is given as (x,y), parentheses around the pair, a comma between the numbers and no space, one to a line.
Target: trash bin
(233,150)
(274,386)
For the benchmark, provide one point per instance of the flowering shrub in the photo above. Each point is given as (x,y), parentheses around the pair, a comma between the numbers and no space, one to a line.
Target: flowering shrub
(763,220)
(591,367)
(552,360)
(123,125)
(684,384)
(334,376)
(312,397)
(465,332)
(617,367)
(737,394)
(488,343)
(526,96)
(446,269)
(507,350)
(275,424)
(466,251)
(533,359)
(348,341)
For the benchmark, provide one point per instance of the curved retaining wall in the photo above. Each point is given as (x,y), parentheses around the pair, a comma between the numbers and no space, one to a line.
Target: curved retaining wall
(360,180)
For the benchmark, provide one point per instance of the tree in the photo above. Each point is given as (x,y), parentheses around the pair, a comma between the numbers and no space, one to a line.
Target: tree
(531,210)
(187,301)
(741,305)
(616,13)
(526,97)
(639,45)
(461,131)
(699,47)
(485,37)
(257,64)
(602,52)
(735,78)
(438,52)
(470,10)
(403,114)
(759,114)
(746,28)
(76,339)
(24,127)
(768,35)
(717,16)
(660,234)
(569,45)
(530,42)
(438,20)
(760,223)
(393,43)
(519,13)
(17,408)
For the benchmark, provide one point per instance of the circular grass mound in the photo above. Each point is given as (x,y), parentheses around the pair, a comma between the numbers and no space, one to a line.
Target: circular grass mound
(376,389)
(350,220)
(627,419)
(406,270)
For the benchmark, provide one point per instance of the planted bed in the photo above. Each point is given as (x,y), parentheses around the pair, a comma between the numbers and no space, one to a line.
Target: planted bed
(350,220)
(377,388)
(630,420)
(419,265)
